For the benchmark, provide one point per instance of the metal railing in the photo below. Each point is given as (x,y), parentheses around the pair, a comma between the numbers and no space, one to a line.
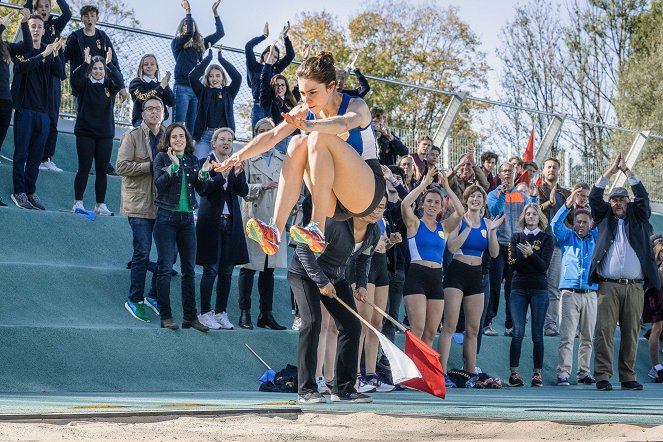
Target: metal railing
(578,167)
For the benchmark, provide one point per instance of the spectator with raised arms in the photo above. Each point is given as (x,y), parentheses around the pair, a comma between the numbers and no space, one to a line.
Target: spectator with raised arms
(423,294)
(579,298)
(96,83)
(463,283)
(216,98)
(7,51)
(188,47)
(31,96)
(254,67)
(53,27)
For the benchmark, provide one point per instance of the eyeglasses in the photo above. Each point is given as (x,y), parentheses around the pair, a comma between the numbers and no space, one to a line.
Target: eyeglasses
(153,109)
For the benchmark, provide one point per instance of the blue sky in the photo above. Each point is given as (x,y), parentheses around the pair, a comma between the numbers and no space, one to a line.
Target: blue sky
(243,20)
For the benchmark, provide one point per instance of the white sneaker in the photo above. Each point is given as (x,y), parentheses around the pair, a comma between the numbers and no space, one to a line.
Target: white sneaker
(102,210)
(380,387)
(297,323)
(78,205)
(363,387)
(49,165)
(208,320)
(322,386)
(223,321)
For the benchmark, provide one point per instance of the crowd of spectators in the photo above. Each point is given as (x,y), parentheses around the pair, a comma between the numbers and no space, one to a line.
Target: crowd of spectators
(449,243)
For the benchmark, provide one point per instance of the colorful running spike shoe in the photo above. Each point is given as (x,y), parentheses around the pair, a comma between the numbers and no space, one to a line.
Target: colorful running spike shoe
(309,235)
(264,234)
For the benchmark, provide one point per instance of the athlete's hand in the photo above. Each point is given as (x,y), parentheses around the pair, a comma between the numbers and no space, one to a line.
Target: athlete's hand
(395,238)
(328,290)
(428,179)
(233,160)
(300,123)
(493,224)
(361,294)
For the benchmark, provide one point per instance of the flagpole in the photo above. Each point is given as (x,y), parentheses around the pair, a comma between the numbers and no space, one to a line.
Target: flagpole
(364,321)
(259,358)
(398,325)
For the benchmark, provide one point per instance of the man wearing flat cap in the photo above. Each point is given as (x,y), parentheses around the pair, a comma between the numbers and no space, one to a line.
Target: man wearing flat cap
(622,260)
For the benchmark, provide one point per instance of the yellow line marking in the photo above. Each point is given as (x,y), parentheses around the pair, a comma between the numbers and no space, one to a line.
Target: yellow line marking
(185,405)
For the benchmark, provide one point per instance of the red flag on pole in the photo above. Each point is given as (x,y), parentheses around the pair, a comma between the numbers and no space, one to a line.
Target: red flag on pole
(528,156)
(529,150)
(427,361)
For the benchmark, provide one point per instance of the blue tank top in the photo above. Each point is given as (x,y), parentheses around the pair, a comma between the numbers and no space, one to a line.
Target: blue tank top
(362,139)
(382,226)
(477,241)
(427,245)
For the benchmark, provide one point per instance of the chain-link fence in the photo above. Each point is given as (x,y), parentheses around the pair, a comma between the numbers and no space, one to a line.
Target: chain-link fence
(577,164)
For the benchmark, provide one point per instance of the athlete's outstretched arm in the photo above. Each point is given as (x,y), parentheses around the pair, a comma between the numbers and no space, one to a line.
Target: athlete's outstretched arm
(357,115)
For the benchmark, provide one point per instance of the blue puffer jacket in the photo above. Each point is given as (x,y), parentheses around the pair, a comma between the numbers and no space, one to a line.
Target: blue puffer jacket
(576,253)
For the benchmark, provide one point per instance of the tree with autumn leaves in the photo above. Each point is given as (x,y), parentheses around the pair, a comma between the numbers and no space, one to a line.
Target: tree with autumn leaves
(426,45)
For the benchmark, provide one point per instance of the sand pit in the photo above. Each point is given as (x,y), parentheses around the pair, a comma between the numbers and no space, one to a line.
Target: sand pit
(320,427)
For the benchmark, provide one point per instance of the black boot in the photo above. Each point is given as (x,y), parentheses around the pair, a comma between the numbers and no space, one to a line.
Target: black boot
(245,320)
(265,319)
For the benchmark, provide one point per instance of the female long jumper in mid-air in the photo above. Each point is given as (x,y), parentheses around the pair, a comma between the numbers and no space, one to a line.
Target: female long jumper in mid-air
(337,159)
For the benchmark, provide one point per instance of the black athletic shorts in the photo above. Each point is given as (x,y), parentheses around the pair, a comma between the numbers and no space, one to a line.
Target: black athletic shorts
(379,274)
(423,280)
(341,213)
(464,277)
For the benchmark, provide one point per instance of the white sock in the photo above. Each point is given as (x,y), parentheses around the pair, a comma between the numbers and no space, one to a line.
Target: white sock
(658,367)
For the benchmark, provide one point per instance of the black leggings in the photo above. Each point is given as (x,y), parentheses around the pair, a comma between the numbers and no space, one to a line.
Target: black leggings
(99,150)
(5,119)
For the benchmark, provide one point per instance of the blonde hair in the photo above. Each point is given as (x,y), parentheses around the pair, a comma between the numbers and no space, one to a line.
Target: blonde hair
(543,221)
(140,66)
(219,131)
(211,68)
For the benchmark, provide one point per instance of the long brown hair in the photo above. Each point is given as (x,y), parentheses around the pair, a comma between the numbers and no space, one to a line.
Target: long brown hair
(290,101)
(164,144)
(196,41)
(319,68)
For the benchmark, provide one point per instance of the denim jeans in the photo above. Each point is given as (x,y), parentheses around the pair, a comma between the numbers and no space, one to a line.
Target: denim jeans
(223,268)
(204,147)
(175,231)
(30,132)
(537,301)
(257,114)
(142,229)
(186,106)
(499,271)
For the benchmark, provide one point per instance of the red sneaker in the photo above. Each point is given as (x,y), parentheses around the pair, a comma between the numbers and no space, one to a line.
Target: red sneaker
(309,235)
(264,234)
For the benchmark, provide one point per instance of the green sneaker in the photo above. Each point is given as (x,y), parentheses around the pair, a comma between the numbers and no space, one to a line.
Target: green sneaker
(137,310)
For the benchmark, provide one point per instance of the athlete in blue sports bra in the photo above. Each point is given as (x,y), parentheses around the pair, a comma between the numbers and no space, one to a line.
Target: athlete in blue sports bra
(337,159)
(464,281)
(422,291)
